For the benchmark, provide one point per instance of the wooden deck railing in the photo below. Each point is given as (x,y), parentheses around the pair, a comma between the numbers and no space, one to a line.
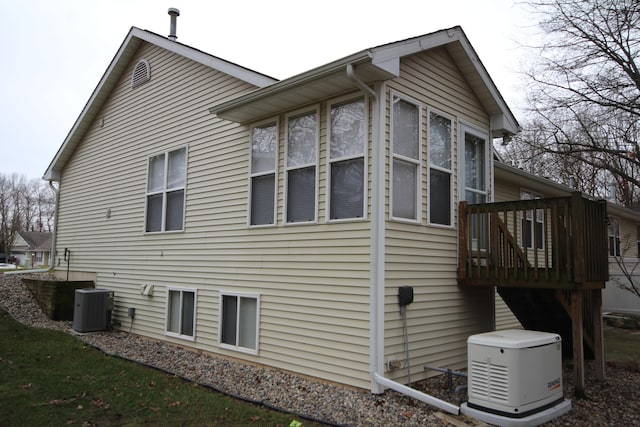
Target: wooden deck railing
(558,243)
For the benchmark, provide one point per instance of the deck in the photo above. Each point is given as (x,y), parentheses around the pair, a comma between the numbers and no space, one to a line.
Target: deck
(549,260)
(553,243)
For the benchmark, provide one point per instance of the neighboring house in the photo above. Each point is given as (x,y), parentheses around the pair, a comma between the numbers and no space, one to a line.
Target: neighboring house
(276,221)
(32,248)
(623,237)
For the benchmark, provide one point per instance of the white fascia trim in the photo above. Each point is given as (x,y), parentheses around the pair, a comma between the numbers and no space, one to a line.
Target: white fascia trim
(128,47)
(226,67)
(291,83)
(399,49)
(388,57)
(54,175)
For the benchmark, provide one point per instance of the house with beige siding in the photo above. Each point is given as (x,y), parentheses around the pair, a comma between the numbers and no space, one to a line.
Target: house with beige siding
(32,248)
(623,237)
(277,222)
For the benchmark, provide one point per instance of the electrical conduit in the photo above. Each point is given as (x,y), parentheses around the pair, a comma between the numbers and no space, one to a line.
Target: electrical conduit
(379,382)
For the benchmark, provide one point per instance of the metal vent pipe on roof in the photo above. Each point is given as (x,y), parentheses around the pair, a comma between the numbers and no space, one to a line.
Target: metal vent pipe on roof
(174,13)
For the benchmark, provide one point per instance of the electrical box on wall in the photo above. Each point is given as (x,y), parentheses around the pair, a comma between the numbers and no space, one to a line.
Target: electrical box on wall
(146,290)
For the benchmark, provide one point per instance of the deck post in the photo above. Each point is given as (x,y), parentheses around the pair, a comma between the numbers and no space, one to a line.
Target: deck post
(578,346)
(598,332)
(577,225)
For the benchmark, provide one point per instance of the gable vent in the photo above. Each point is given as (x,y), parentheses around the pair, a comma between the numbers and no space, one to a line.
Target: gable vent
(141,73)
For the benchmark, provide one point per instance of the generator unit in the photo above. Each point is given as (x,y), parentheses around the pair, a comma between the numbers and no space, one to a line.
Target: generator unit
(92,310)
(515,377)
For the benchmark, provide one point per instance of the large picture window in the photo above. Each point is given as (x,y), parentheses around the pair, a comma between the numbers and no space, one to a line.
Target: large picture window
(264,143)
(181,312)
(440,170)
(239,321)
(301,167)
(406,159)
(166,182)
(347,147)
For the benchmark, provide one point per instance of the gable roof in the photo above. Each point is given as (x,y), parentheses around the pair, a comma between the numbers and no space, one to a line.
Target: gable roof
(112,75)
(374,64)
(36,240)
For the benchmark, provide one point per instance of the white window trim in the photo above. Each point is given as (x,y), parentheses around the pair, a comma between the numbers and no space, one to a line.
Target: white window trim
(295,114)
(451,171)
(535,219)
(167,190)
(616,220)
(365,156)
(417,162)
(465,127)
(220,319)
(252,175)
(195,306)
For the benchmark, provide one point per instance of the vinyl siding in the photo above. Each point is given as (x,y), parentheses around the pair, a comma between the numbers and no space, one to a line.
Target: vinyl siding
(505,319)
(614,298)
(443,314)
(313,280)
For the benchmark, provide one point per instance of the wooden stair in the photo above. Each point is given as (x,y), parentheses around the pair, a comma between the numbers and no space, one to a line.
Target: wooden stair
(547,310)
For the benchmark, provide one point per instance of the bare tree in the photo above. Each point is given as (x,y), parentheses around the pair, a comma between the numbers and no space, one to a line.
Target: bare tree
(44,199)
(10,210)
(585,90)
(24,206)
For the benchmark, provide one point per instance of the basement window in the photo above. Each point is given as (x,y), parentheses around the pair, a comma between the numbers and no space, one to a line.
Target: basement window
(239,321)
(181,313)
(141,73)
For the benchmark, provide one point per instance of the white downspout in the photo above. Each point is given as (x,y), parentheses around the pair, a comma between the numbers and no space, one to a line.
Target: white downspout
(362,85)
(53,238)
(378,231)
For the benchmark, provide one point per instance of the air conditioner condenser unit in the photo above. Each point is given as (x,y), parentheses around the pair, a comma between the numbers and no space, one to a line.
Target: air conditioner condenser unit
(92,310)
(515,378)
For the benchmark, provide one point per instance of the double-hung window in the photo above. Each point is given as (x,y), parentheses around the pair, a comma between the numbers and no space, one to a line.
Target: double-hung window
(181,312)
(264,143)
(440,170)
(239,321)
(301,167)
(167,176)
(406,159)
(475,184)
(347,148)
(532,224)
(614,237)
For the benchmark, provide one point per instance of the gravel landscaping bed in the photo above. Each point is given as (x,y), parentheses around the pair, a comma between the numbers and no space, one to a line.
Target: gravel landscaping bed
(613,402)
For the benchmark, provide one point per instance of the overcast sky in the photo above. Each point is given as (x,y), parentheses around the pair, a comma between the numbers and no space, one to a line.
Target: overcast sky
(55,52)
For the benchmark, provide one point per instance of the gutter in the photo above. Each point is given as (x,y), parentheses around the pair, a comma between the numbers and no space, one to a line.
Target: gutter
(53,239)
(378,229)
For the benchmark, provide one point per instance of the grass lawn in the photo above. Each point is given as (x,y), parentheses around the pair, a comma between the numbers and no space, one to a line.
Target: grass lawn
(50,378)
(622,346)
